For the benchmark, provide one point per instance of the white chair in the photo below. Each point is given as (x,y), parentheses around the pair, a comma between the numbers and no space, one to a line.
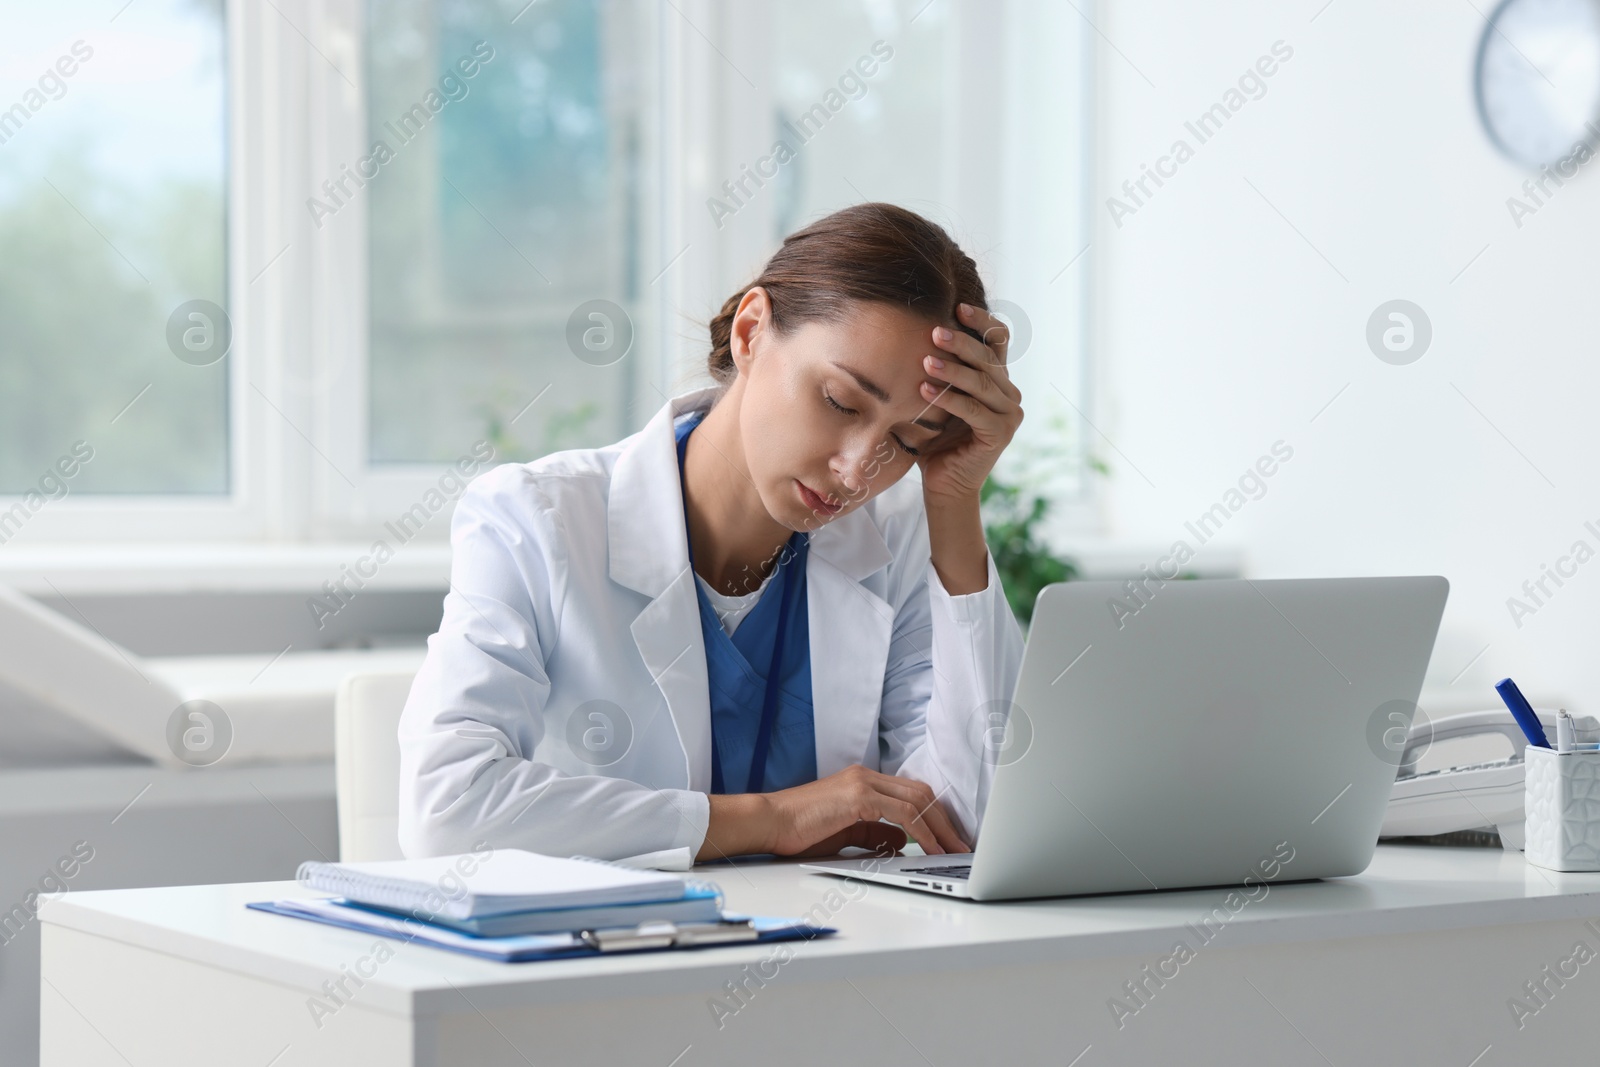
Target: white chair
(366,715)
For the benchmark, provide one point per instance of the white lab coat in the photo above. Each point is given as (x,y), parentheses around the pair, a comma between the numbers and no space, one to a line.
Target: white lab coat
(571,596)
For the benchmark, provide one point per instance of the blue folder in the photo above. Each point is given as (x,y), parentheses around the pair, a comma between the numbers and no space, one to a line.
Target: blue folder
(524,948)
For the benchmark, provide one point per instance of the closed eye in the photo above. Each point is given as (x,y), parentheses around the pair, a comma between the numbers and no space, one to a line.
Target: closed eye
(852,411)
(838,406)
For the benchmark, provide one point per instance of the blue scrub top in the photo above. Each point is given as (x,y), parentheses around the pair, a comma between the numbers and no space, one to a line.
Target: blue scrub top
(737,669)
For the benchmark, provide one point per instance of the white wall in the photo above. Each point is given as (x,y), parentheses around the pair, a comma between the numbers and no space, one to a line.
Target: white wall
(1221,330)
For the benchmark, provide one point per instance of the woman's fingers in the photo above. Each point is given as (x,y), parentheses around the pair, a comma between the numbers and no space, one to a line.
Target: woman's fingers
(904,814)
(976,414)
(844,808)
(967,351)
(926,813)
(989,373)
(944,828)
(976,383)
(996,334)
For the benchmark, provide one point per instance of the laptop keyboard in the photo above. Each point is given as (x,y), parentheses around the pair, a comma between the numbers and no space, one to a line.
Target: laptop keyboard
(952,872)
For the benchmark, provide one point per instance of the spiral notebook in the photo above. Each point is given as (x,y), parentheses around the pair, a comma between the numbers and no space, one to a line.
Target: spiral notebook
(492,882)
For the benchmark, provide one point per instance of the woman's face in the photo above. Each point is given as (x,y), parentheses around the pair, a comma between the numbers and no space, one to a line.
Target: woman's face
(831,413)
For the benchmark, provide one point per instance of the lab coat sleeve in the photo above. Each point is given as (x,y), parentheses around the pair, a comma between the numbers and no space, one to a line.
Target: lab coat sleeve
(475,712)
(952,671)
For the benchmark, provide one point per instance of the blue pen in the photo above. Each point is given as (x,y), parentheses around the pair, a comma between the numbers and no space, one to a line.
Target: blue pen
(1522,711)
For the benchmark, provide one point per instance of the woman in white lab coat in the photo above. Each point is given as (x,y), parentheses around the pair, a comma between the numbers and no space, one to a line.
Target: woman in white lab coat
(743,629)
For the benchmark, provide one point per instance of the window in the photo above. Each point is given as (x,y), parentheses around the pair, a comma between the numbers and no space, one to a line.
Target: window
(456,223)
(518,202)
(112,176)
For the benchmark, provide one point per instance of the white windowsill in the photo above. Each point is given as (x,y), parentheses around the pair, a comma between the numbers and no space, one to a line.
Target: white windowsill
(213,567)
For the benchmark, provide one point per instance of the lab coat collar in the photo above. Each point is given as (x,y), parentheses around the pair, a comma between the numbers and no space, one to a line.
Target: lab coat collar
(646,500)
(646,503)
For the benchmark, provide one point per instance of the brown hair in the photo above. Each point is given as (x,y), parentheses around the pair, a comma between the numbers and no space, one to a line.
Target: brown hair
(867,252)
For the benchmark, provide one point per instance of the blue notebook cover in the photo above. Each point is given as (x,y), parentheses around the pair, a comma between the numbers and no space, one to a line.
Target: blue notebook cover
(514,949)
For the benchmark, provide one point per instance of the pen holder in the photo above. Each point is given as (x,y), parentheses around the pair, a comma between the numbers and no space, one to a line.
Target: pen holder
(1562,805)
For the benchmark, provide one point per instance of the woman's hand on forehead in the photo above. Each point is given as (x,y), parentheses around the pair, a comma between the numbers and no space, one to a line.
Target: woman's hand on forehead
(975,388)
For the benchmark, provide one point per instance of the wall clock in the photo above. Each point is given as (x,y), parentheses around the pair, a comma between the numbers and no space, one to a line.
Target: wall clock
(1538,78)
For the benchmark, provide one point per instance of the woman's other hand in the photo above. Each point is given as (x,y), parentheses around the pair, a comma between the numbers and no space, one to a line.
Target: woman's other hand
(822,817)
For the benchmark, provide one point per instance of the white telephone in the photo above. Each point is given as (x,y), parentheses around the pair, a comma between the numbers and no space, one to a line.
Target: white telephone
(1486,795)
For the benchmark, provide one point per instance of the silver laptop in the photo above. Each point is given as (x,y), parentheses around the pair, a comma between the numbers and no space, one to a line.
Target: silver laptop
(1205,733)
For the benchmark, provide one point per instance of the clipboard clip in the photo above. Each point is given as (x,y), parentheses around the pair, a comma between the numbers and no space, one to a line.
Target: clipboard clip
(668,935)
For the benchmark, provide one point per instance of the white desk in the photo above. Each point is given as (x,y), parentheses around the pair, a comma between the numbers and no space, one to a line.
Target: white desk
(1413,962)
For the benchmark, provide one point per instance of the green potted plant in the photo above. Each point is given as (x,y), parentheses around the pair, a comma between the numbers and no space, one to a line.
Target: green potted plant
(1014,511)
(1012,515)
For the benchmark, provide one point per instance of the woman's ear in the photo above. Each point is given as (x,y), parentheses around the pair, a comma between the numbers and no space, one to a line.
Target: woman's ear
(750,322)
